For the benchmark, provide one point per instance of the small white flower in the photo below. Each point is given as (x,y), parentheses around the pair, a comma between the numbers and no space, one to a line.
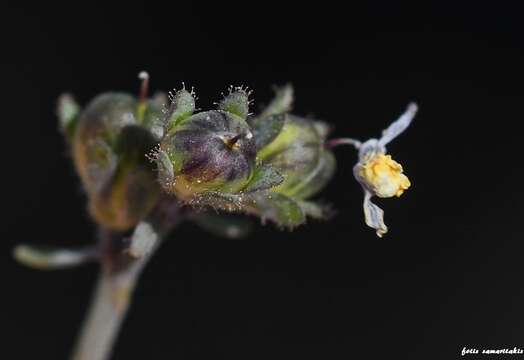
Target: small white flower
(377,172)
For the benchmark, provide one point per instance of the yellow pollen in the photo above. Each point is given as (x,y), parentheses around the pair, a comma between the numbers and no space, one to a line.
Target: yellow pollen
(384,176)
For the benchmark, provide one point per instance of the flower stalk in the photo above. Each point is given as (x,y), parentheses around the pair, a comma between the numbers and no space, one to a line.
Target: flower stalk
(104,318)
(119,274)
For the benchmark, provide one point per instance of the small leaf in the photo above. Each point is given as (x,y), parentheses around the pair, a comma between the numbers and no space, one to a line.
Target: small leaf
(166,173)
(278,208)
(49,258)
(236,102)
(315,210)
(218,201)
(182,106)
(281,103)
(264,177)
(154,116)
(267,129)
(267,205)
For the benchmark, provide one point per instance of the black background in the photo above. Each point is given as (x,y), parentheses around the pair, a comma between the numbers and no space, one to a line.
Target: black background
(449,273)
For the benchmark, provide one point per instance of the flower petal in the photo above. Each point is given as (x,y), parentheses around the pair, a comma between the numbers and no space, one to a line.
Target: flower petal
(398,126)
(374,215)
(368,149)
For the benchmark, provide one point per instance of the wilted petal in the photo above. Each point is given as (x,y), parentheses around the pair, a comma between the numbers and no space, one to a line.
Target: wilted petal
(398,126)
(374,215)
(369,149)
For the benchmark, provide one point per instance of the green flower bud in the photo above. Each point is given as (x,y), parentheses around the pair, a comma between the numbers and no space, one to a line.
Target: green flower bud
(292,164)
(209,151)
(109,143)
(297,152)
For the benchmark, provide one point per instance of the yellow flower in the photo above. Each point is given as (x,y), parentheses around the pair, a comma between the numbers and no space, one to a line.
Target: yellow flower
(384,176)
